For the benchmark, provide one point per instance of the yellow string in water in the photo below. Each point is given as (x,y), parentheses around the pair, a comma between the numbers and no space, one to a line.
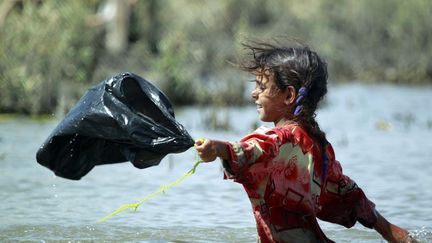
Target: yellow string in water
(161,190)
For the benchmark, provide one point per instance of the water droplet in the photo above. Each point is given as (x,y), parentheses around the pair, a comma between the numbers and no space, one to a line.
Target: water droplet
(90,228)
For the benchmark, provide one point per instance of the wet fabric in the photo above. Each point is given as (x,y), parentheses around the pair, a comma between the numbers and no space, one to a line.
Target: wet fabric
(289,187)
(123,118)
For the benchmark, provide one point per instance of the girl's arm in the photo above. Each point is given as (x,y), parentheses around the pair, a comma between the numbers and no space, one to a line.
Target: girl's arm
(391,232)
(209,150)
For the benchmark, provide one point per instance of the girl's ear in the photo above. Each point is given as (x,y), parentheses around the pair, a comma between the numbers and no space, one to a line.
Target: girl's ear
(290,93)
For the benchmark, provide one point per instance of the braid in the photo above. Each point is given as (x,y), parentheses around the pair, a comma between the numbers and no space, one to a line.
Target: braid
(313,87)
(309,123)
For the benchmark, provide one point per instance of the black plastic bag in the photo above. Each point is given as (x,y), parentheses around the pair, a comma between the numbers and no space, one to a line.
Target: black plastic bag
(124,118)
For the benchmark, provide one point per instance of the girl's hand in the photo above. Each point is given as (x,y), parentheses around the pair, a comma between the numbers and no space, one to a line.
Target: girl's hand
(206,149)
(392,233)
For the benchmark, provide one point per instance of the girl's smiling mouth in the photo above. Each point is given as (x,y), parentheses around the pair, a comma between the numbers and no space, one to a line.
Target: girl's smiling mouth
(259,107)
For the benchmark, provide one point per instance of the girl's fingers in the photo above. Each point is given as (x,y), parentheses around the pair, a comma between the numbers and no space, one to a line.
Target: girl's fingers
(199,142)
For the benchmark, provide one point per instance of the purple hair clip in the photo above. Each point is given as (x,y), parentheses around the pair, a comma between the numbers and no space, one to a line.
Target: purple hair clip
(301,94)
(297,110)
(303,91)
(299,99)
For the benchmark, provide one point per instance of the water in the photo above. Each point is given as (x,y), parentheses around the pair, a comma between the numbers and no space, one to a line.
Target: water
(381,134)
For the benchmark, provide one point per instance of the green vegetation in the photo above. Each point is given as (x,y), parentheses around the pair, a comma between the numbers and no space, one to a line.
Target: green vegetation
(52,51)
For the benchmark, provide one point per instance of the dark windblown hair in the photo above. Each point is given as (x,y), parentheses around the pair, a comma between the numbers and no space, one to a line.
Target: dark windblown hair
(294,64)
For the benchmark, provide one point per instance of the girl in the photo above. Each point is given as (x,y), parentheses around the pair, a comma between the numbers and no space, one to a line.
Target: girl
(290,172)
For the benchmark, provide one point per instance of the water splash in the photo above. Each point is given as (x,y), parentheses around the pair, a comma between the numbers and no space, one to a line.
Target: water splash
(423,235)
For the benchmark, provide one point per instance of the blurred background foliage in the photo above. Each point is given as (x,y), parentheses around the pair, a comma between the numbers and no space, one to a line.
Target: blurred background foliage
(52,51)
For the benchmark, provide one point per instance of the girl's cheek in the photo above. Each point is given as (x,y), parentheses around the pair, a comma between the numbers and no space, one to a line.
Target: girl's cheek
(266,94)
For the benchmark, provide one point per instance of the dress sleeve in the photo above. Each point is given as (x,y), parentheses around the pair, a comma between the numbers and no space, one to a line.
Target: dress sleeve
(343,202)
(258,147)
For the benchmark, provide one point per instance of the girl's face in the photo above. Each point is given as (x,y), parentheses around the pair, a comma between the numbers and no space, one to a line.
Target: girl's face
(273,104)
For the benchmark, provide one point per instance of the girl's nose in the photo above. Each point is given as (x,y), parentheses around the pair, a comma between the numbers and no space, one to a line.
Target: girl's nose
(254,94)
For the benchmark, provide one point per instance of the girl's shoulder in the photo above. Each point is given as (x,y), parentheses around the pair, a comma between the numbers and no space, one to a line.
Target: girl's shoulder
(261,133)
(293,133)
(298,136)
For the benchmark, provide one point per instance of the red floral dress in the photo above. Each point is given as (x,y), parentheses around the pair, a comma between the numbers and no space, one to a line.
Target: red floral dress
(291,183)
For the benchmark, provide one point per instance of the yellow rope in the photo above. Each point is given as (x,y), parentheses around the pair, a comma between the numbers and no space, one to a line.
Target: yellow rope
(161,190)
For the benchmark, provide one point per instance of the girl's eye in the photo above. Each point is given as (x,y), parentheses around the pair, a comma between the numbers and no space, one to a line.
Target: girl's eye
(259,85)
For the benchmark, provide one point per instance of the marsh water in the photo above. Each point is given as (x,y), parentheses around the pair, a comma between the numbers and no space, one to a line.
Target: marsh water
(381,134)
